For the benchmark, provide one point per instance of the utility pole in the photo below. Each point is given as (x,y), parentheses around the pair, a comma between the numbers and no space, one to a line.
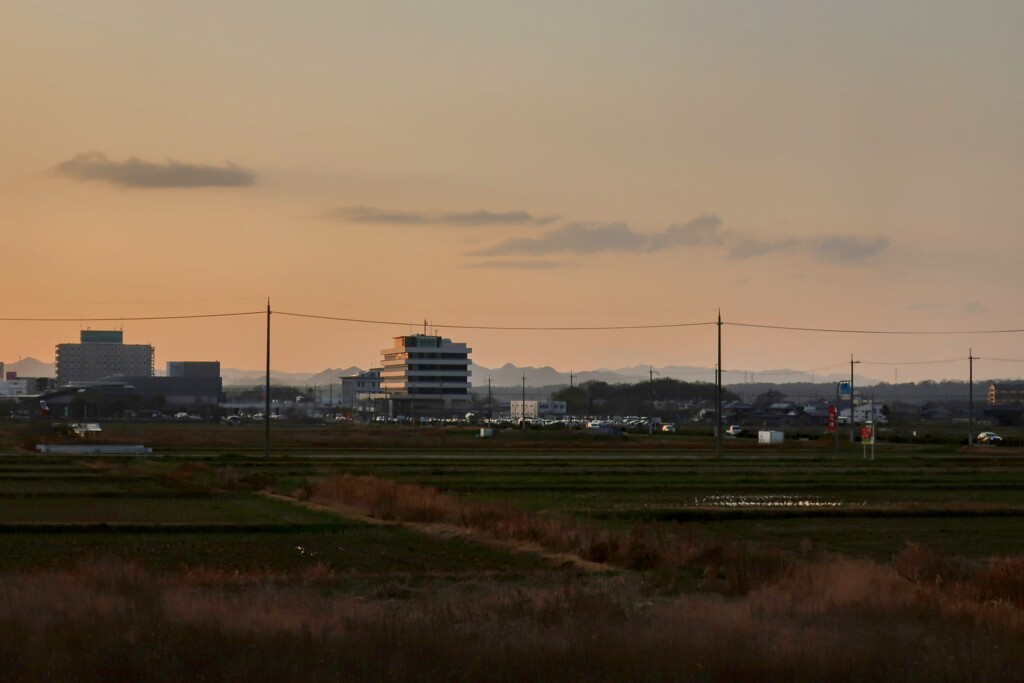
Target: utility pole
(523,407)
(490,411)
(266,392)
(970,419)
(718,392)
(836,426)
(852,428)
(650,418)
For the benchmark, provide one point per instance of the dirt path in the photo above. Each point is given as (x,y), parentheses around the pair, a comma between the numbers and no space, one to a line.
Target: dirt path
(447,531)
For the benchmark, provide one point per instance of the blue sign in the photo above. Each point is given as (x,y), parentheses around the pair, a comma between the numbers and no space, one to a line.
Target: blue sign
(844,389)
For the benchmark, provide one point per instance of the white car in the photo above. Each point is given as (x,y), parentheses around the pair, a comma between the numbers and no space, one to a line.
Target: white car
(990,438)
(734,430)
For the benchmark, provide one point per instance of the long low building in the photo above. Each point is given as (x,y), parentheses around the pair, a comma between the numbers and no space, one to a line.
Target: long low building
(536,409)
(195,387)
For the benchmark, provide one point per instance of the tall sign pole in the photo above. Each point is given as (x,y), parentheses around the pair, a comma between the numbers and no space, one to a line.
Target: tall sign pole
(266,394)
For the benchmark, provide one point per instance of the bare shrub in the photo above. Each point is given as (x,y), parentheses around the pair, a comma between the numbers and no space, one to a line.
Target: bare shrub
(920,564)
(1002,578)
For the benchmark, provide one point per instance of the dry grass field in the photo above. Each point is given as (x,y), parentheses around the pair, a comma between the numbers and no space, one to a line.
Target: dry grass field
(585,561)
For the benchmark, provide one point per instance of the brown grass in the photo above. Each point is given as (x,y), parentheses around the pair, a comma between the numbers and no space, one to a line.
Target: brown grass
(835,621)
(995,580)
(731,568)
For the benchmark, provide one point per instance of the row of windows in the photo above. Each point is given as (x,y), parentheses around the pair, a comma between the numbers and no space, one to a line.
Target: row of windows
(461,391)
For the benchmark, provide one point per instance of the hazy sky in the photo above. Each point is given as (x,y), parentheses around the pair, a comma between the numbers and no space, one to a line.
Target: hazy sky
(557,163)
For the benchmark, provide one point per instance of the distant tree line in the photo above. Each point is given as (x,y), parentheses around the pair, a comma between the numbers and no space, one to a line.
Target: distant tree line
(912,393)
(663,397)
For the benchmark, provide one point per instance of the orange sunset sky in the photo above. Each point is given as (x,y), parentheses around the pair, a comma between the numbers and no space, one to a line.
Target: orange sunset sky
(528,164)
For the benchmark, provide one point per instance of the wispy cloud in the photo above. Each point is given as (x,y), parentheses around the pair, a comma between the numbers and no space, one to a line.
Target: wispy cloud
(492,218)
(927,307)
(844,248)
(136,173)
(974,308)
(374,215)
(967,308)
(513,264)
(748,246)
(576,238)
(704,231)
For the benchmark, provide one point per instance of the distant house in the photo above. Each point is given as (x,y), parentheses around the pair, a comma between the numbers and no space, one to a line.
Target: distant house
(865,412)
(817,409)
(1006,393)
(783,408)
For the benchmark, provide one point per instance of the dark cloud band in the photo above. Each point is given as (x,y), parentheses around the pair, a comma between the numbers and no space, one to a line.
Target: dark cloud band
(136,173)
(373,215)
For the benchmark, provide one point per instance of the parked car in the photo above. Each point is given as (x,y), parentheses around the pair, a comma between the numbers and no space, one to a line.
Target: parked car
(734,430)
(990,438)
(669,428)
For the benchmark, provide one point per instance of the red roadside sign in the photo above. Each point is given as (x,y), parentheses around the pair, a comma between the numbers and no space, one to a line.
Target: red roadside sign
(867,434)
(831,419)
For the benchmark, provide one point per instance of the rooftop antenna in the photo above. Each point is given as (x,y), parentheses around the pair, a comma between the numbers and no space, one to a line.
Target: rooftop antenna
(424,326)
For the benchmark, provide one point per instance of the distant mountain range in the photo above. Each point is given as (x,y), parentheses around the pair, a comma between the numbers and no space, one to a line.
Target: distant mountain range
(512,375)
(30,367)
(507,375)
(234,376)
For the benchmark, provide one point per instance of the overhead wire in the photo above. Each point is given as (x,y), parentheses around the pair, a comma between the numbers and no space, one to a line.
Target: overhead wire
(507,328)
(122,318)
(853,331)
(556,328)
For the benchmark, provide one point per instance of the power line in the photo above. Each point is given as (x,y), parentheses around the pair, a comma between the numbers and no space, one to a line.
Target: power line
(845,331)
(494,327)
(538,328)
(130,318)
(913,362)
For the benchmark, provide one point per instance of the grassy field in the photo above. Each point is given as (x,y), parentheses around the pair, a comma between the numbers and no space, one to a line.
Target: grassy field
(557,560)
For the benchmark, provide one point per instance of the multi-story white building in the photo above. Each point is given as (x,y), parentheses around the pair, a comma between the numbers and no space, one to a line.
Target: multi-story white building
(102,353)
(424,374)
